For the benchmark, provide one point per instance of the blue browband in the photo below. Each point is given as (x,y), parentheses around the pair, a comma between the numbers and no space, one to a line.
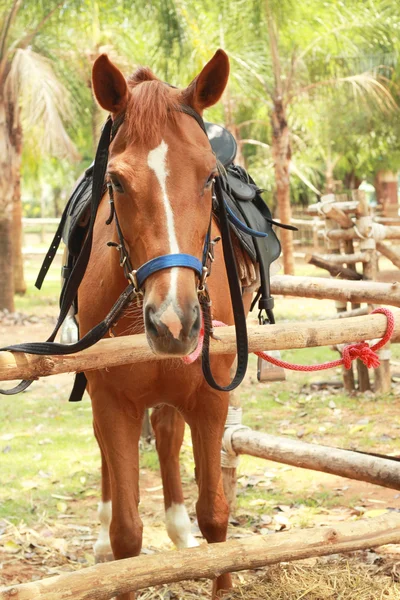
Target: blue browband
(168,261)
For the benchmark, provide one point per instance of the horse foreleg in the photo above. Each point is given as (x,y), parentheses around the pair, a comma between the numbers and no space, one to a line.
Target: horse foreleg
(102,546)
(118,426)
(169,428)
(207,425)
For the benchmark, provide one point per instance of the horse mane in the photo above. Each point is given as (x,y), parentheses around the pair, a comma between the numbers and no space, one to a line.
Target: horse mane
(151,104)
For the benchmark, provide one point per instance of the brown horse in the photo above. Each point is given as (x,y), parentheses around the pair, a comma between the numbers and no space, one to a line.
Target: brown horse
(161,168)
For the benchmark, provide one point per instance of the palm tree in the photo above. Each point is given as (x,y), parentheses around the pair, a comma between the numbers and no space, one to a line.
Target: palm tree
(32,100)
(297,43)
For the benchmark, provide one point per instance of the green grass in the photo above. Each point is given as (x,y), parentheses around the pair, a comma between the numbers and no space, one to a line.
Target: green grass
(37,301)
(47,448)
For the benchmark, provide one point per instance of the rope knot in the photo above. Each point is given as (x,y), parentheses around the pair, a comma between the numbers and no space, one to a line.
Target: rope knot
(361,351)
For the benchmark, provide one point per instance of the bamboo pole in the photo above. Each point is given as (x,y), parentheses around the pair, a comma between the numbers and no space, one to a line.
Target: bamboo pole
(331,289)
(106,580)
(112,352)
(354,465)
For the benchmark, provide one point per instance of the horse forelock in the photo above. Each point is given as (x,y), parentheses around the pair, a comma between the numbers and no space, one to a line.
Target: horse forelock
(151,104)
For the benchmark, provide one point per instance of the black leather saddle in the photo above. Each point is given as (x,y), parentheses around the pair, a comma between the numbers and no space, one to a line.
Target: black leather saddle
(241,195)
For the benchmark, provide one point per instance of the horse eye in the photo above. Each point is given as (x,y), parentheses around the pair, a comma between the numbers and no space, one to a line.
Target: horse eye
(210,181)
(116,184)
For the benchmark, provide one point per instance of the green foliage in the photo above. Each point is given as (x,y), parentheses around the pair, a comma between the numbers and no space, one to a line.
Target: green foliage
(338,66)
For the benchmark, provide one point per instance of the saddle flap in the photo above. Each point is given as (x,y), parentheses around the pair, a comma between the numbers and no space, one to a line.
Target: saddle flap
(241,190)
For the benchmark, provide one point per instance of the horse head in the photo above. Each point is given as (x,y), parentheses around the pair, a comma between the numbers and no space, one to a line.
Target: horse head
(161,168)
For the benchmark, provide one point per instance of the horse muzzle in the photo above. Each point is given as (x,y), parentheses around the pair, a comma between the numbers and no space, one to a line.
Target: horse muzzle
(171,329)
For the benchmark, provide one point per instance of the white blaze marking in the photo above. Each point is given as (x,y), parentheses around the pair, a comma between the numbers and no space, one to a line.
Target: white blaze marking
(102,547)
(157,161)
(178,526)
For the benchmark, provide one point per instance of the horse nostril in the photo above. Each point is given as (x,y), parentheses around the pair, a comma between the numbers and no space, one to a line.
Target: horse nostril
(197,321)
(150,322)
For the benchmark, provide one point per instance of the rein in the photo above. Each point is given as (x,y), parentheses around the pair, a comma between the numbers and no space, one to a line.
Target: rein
(136,278)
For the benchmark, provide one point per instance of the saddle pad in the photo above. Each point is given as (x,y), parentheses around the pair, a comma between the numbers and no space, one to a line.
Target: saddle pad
(78,213)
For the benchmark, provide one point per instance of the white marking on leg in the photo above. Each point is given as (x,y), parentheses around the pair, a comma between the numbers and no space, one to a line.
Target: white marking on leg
(178,526)
(157,161)
(102,547)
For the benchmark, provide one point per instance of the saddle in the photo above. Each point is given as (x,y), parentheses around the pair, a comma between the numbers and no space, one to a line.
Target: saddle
(242,197)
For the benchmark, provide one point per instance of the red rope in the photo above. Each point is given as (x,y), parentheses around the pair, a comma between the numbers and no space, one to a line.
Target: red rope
(362,350)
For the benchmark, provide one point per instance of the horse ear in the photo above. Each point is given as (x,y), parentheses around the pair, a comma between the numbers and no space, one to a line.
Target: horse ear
(207,88)
(109,85)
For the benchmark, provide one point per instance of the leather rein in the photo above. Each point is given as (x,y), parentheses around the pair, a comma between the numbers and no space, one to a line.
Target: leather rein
(137,277)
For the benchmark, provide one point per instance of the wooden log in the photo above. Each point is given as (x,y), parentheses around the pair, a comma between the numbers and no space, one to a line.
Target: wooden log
(354,312)
(334,213)
(388,220)
(105,580)
(349,259)
(113,352)
(349,381)
(353,465)
(391,254)
(334,246)
(387,233)
(335,270)
(349,207)
(383,374)
(364,222)
(347,291)
(364,383)
(228,463)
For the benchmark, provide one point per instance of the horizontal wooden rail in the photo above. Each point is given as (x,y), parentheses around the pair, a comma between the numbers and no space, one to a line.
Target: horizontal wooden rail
(134,348)
(390,232)
(363,257)
(354,465)
(331,289)
(27,221)
(105,580)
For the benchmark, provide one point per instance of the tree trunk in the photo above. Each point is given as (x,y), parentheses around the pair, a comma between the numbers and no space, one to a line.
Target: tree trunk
(281,156)
(6,195)
(386,192)
(351,181)
(231,126)
(281,151)
(17,237)
(6,269)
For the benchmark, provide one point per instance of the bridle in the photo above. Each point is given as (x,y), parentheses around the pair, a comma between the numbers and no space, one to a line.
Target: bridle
(137,277)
